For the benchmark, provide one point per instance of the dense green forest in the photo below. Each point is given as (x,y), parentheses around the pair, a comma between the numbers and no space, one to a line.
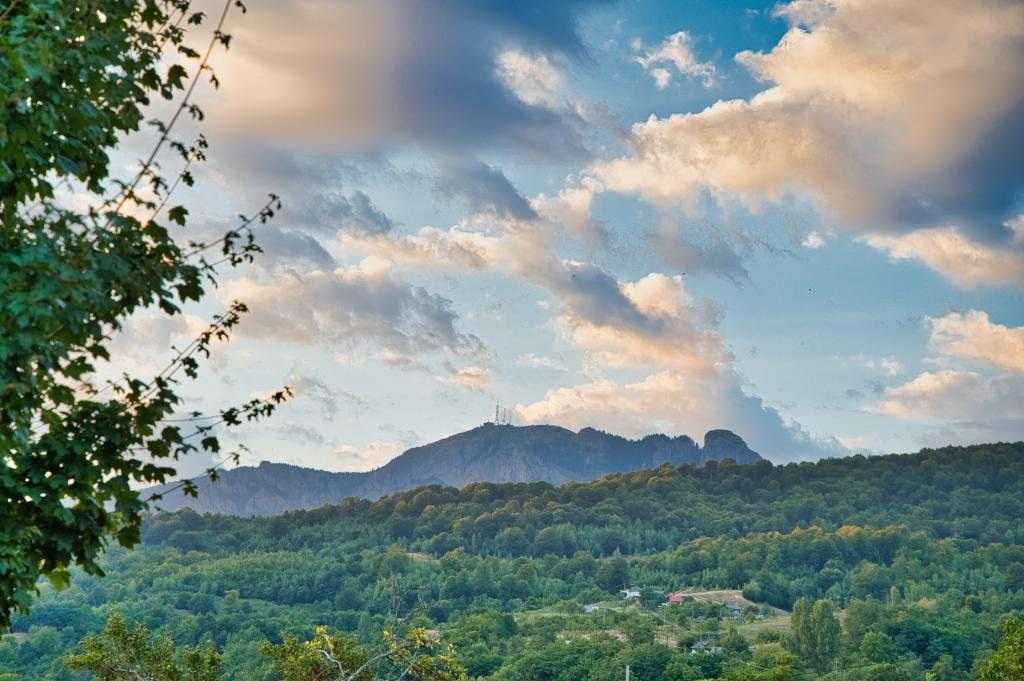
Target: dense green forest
(895,567)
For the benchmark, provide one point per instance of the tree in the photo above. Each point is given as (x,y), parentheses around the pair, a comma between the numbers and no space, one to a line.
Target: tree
(325,656)
(613,574)
(945,670)
(815,637)
(76,79)
(680,669)
(123,652)
(878,647)
(1007,661)
(339,657)
(511,541)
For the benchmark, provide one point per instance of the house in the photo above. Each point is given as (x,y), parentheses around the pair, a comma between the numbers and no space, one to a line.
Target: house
(675,598)
(630,593)
(735,609)
(706,645)
(591,607)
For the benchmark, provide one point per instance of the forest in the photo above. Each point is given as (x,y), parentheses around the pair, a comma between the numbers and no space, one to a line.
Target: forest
(894,567)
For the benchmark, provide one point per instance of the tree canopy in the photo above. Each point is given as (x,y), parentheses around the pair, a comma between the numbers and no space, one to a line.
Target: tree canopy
(81,251)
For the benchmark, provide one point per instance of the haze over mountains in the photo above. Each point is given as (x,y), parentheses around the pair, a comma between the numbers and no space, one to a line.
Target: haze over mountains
(488,453)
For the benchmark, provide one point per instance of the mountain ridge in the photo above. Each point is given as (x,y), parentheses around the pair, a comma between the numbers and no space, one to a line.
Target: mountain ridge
(488,453)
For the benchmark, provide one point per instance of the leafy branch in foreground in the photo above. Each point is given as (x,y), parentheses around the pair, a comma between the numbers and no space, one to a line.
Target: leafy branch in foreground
(128,652)
(72,456)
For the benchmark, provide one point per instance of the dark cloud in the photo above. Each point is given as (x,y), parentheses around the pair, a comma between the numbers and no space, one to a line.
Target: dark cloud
(368,74)
(326,398)
(356,213)
(484,188)
(354,308)
(314,188)
(288,247)
(590,293)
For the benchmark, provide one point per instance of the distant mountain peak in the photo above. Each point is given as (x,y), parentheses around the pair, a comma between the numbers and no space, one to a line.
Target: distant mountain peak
(487,453)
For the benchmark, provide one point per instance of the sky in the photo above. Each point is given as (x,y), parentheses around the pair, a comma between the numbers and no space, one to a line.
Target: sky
(800,221)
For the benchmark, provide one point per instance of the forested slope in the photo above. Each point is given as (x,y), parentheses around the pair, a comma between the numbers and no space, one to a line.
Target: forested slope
(924,554)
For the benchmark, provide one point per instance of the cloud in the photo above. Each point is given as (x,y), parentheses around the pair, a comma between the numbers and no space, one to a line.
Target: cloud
(889,366)
(949,252)
(970,335)
(964,404)
(813,241)
(891,115)
(471,377)
(367,457)
(298,433)
(650,321)
(363,306)
(675,51)
(533,78)
(675,403)
(535,361)
(952,396)
(651,325)
(485,189)
(145,345)
(431,247)
(368,74)
(326,398)
(571,207)
(291,247)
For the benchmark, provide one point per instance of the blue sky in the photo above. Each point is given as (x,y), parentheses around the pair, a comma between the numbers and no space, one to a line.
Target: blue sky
(800,221)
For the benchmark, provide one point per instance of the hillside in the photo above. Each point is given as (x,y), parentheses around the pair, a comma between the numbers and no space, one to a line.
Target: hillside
(923,554)
(489,453)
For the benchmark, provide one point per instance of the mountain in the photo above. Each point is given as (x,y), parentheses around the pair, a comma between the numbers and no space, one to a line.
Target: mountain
(488,453)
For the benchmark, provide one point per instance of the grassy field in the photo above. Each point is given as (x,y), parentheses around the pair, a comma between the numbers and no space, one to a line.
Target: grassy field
(576,625)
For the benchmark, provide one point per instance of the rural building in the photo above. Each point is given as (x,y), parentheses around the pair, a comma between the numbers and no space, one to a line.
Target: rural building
(630,593)
(707,645)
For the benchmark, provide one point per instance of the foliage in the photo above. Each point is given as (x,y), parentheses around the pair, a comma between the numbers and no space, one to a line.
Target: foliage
(339,657)
(1007,661)
(70,278)
(816,633)
(240,582)
(325,656)
(123,652)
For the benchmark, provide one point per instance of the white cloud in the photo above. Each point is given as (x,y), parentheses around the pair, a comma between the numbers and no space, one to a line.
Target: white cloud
(888,366)
(366,457)
(533,78)
(431,247)
(961,260)
(572,207)
(891,115)
(650,322)
(971,335)
(651,325)
(535,361)
(813,241)
(471,377)
(676,51)
(677,403)
(957,397)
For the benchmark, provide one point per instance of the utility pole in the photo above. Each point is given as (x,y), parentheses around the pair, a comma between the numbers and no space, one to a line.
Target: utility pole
(627,672)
